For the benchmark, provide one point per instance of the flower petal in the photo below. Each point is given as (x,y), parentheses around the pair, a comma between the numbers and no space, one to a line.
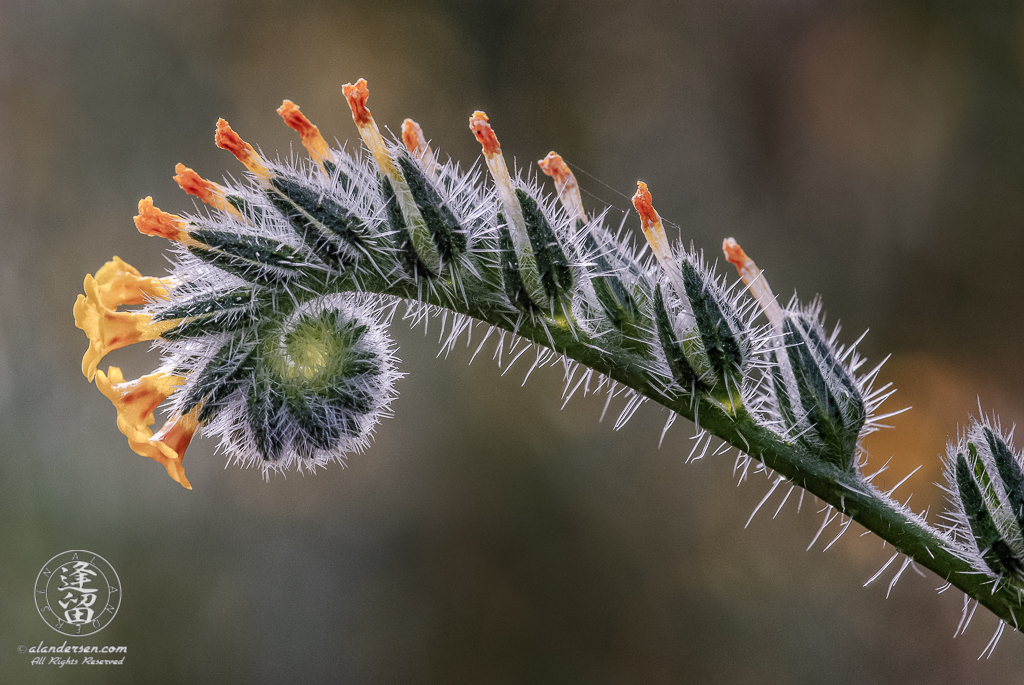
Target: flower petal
(109,330)
(136,400)
(172,440)
(121,283)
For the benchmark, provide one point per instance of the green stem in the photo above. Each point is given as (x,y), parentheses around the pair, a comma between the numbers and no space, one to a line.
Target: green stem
(847,491)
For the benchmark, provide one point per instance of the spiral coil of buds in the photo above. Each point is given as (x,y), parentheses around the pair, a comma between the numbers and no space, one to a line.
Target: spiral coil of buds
(401,222)
(272,326)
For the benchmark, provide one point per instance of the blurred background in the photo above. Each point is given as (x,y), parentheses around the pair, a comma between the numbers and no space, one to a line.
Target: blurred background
(866,151)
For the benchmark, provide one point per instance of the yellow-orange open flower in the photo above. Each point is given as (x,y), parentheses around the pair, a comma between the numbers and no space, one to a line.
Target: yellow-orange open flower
(117,283)
(172,440)
(135,402)
(121,283)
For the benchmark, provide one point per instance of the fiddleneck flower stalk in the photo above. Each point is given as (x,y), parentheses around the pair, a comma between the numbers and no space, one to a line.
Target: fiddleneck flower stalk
(273,331)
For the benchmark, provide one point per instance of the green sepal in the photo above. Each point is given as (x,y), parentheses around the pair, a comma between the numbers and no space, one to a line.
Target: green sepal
(983,479)
(330,231)
(834,408)
(511,280)
(266,412)
(552,265)
(224,313)
(616,301)
(403,234)
(719,327)
(254,259)
(225,373)
(993,548)
(682,371)
(318,425)
(1009,472)
(448,234)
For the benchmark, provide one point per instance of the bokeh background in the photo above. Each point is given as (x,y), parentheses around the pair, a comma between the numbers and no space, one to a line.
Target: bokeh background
(866,151)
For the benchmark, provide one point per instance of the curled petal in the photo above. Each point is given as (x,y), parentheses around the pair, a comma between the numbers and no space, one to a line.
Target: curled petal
(110,330)
(171,442)
(121,283)
(135,402)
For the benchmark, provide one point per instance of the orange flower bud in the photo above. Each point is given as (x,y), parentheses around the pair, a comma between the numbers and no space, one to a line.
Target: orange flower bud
(209,192)
(152,221)
(314,143)
(228,140)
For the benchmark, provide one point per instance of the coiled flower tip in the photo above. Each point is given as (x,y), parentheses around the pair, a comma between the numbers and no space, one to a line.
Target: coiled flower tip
(307,392)
(270,342)
(272,329)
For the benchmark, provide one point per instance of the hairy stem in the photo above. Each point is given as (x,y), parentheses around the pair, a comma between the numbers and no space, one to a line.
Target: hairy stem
(847,491)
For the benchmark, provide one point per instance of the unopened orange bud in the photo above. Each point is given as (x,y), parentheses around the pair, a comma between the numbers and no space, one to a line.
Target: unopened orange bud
(478,124)
(416,144)
(194,184)
(642,203)
(565,183)
(755,281)
(651,224)
(228,140)
(412,136)
(357,94)
(654,231)
(154,222)
(314,143)
(554,166)
(735,255)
